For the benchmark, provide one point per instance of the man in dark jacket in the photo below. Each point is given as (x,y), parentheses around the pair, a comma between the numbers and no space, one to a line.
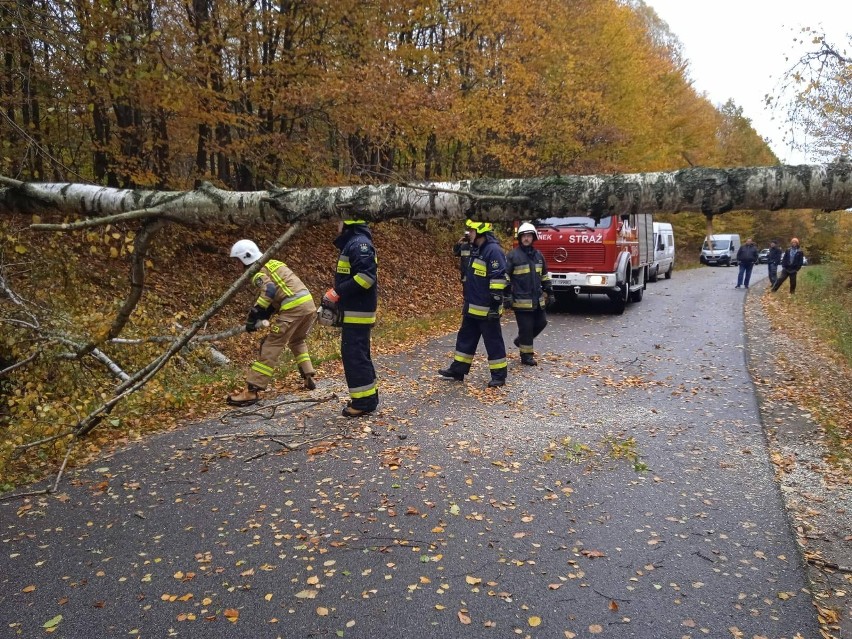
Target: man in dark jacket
(356,297)
(463,250)
(746,256)
(773,260)
(484,283)
(791,262)
(529,278)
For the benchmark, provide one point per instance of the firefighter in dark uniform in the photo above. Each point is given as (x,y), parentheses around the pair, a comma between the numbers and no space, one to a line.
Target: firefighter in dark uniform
(355,296)
(528,279)
(463,250)
(484,284)
(284,296)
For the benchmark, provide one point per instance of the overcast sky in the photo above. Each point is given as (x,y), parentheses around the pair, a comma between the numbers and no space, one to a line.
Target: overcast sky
(737,49)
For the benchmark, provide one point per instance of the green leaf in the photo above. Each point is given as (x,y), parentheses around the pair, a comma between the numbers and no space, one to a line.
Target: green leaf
(52,622)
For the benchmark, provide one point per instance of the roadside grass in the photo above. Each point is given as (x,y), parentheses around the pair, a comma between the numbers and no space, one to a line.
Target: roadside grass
(825,292)
(819,316)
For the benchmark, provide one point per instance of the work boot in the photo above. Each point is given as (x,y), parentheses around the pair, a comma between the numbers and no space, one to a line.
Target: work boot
(494,382)
(448,373)
(310,384)
(527,359)
(348,411)
(245,398)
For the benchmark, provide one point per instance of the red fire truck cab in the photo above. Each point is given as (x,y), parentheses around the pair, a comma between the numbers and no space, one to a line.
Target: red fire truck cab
(610,256)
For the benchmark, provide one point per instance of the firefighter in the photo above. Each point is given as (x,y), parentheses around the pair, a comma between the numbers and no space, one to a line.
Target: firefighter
(463,250)
(355,296)
(528,279)
(284,298)
(484,283)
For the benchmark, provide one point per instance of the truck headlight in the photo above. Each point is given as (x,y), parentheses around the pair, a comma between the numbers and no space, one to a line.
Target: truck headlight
(597,280)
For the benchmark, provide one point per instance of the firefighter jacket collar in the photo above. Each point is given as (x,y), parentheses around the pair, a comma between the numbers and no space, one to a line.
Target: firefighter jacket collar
(351,231)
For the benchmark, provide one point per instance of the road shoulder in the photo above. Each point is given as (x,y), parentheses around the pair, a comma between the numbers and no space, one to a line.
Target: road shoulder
(816,493)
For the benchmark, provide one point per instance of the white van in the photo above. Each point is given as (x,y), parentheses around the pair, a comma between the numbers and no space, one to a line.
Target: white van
(721,250)
(664,252)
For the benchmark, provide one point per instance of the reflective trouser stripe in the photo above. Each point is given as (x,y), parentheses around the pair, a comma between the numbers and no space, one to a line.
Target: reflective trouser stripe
(358,366)
(363,391)
(521,270)
(289,331)
(478,311)
(530,325)
(472,330)
(494,364)
(356,317)
(522,303)
(263,369)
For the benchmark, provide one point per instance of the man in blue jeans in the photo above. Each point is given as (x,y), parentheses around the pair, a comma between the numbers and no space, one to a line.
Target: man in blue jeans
(746,256)
(773,261)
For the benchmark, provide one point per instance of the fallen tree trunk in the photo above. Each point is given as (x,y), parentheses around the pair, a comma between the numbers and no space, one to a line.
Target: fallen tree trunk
(708,191)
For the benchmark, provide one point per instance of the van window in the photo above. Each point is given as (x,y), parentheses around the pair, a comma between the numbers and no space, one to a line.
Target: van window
(719,245)
(577,222)
(670,240)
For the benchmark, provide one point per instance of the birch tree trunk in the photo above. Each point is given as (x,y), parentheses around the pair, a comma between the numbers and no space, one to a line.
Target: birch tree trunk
(709,191)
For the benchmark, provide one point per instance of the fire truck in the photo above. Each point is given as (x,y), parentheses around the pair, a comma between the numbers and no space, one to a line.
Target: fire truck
(610,256)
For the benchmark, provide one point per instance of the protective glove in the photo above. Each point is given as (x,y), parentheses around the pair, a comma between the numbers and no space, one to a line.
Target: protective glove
(330,299)
(493,314)
(507,301)
(251,321)
(549,299)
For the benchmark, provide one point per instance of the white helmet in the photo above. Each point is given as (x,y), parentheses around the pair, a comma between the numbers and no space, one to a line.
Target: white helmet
(526,227)
(246,251)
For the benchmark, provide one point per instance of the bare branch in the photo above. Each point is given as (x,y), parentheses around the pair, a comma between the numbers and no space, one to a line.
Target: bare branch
(168,339)
(20,364)
(144,375)
(137,284)
(101,221)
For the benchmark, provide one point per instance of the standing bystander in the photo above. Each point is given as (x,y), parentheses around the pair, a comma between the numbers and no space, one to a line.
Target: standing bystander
(746,256)
(773,261)
(790,265)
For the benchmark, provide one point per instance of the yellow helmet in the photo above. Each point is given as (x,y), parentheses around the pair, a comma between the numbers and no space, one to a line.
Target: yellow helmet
(479,227)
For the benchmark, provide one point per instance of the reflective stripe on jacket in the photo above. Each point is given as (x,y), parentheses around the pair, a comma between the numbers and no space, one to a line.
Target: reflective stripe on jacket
(528,276)
(355,279)
(280,288)
(485,279)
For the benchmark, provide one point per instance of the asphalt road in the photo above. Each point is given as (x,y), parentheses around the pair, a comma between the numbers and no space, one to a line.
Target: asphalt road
(622,488)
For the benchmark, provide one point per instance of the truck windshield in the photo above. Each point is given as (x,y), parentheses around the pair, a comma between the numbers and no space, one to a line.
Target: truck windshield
(719,245)
(573,222)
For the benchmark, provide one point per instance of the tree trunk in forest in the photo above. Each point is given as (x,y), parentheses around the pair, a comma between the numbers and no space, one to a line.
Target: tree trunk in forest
(709,191)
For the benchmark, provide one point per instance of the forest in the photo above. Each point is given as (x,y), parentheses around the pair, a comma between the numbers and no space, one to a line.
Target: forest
(249,95)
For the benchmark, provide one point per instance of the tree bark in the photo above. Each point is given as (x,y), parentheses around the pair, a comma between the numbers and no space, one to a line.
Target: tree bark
(709,191)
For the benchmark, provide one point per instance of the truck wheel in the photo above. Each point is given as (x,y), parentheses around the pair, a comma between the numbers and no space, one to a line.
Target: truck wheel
(669,272)
(619,299)
(653,275)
